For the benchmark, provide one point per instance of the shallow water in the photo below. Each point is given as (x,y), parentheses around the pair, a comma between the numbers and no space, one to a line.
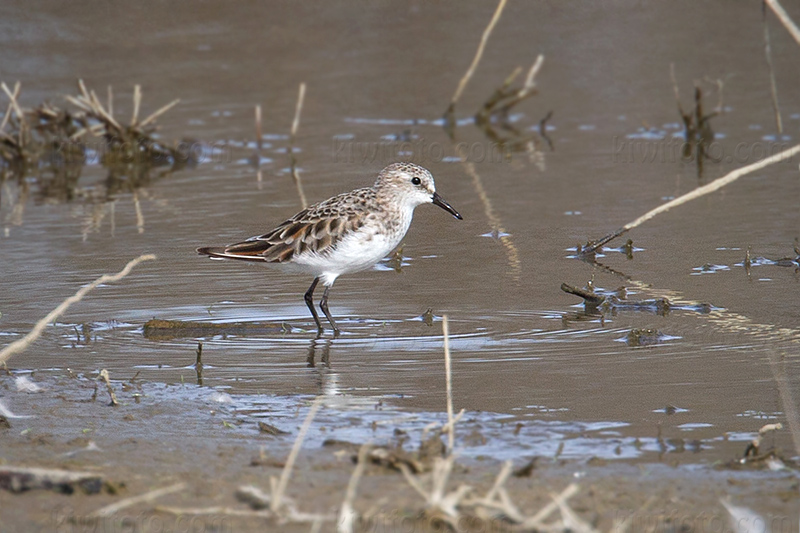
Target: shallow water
(521,347)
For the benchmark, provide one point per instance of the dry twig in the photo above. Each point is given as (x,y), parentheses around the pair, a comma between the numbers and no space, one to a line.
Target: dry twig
(787,22)
(109,510)
(478,54)
(347,514)
(717,184)
(296,124)
(279,487)
(104,376)
(449,385)
(23,343)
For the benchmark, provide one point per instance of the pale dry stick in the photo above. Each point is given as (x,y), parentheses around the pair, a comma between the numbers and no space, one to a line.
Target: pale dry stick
(790,26)
(489,501)
(109,510)
(278,489)
(527,87)
(137,206)
(450,426)
(23,343)
(697,193)
(12,96)
(97,106)
(297,110)
(137,101)
(11,104)
(348,515)
(571,521)
(773,85)
(500,480)
(622,526)
(227,511)
(259,134)
(296,124)
(675,88)
(789,407)
(231,511)
(451,434)
(743,519)
(158,113)
(110,104)
(478,54)
(536,521)
(105,377)
(436,498)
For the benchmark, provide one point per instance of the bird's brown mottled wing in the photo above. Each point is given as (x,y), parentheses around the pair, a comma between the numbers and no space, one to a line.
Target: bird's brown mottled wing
(317,228)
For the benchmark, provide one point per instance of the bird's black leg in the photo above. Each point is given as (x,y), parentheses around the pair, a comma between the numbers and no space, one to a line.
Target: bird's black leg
(309,298)
(323,304)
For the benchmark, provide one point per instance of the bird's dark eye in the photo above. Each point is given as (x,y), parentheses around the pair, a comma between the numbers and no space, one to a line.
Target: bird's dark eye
(416,181)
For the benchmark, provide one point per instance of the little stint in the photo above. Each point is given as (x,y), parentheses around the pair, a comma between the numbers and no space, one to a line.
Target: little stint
(347,233)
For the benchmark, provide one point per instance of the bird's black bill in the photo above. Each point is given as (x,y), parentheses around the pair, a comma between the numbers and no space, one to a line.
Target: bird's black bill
(438,200)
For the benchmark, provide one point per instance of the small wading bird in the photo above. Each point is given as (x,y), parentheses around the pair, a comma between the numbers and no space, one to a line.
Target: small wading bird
(347,233)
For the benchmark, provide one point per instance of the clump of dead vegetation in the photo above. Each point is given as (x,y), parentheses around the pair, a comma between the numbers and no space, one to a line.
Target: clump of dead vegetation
(44,151)
(494,117)
(55,136)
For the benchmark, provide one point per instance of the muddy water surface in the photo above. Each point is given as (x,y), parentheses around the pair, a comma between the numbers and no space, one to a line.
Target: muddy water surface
(377,81)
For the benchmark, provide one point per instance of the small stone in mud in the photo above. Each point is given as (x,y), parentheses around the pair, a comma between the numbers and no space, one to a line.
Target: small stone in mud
(269,429)
(4,423)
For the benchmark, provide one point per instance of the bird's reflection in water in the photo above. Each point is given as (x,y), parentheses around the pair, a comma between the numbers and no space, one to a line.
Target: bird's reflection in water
(327,381)
(323,346)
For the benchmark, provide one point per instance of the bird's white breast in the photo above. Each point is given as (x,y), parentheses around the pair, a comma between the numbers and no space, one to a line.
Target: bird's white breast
(359,250)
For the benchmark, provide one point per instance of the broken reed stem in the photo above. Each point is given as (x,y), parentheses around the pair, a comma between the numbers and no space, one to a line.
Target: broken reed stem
(280,489)
(23,343)
(478,54)
(105,377)
(789,406)
(697,193)
(773,85)
(297,110)
(449,378)
(347,514)
(790,26)
(259,134)
(109,510)
(159,112)
(536,520)
(11,104)
(296,124)
(137,101)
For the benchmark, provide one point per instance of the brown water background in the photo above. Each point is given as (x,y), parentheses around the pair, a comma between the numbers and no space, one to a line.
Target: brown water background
(376,73)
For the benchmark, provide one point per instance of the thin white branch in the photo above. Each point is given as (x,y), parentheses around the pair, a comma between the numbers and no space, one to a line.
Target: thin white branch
(23,343)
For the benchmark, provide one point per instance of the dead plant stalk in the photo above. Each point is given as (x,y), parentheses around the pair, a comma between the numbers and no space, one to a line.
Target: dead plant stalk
(23,343)
(478,54)
(697,193)
(295,125)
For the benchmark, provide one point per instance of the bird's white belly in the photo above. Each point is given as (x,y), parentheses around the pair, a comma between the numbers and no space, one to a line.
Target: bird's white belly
(358,251)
